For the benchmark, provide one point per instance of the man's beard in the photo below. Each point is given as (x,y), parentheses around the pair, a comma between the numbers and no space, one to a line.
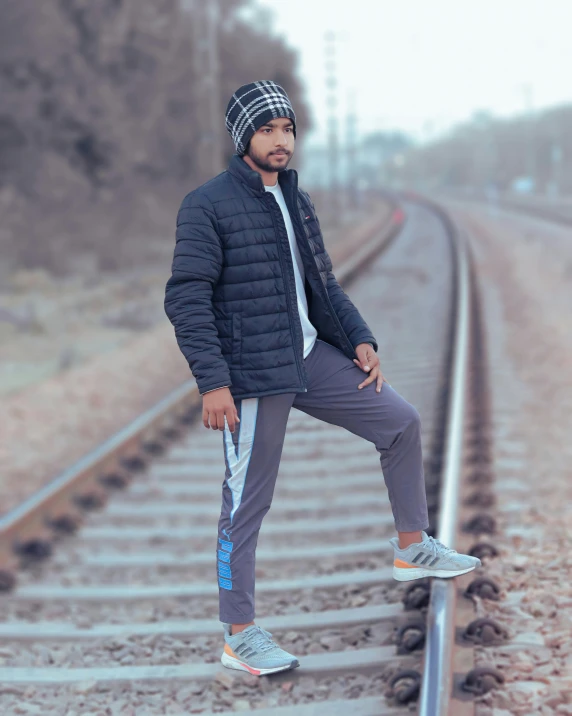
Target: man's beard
(268,163)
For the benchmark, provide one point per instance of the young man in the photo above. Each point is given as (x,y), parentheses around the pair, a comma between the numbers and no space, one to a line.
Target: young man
(265,327)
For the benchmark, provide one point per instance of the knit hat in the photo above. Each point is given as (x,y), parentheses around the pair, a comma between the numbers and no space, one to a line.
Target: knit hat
(253,105)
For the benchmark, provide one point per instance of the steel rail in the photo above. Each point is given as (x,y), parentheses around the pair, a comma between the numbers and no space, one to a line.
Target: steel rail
(436,685)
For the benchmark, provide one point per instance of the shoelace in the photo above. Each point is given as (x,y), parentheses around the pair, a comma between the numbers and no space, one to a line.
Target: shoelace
(437,546)
(261,639)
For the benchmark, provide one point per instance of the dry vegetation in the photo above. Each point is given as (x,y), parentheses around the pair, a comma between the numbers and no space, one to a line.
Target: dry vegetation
(96,124)
(99,124)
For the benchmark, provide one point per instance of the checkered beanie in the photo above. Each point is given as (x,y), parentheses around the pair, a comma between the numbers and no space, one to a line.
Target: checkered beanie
(251,106)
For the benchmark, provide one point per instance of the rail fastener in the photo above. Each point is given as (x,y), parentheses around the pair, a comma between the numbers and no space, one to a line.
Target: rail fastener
(484,631)
(484,588)
(482,679)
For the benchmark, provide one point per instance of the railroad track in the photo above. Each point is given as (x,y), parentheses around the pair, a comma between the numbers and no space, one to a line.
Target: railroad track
(559,213)
(123,615)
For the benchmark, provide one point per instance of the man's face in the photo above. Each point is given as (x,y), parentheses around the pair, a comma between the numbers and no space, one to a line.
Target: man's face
(271,147)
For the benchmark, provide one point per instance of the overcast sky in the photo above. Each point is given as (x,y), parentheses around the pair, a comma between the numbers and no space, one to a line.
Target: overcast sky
(424,65)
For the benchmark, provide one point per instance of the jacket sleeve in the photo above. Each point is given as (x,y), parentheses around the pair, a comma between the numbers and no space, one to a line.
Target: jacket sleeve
(196,268)
(353,324)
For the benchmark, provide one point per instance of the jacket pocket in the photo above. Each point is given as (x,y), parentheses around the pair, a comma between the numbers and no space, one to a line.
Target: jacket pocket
(236,338)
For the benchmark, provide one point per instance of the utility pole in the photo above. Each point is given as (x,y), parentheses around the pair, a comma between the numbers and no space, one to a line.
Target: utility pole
(207,114)
(332,103)
(351,151)
(531,143)
(556,156)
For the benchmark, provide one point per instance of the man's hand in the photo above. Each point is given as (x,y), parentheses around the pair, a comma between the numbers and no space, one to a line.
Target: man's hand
(218,405)
(369,362)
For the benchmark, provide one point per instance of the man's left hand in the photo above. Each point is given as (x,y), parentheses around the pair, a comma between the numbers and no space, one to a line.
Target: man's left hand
(368,361)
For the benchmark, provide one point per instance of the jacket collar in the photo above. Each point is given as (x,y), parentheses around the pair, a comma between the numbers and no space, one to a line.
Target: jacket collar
(240,169)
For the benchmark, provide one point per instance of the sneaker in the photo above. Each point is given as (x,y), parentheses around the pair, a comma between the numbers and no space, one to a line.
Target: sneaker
(429,558)
(254,651)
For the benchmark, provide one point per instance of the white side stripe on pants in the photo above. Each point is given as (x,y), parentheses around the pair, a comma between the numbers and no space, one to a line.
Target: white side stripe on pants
(239,464)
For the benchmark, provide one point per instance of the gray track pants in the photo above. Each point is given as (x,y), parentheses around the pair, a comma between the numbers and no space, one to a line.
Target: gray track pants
(253,452)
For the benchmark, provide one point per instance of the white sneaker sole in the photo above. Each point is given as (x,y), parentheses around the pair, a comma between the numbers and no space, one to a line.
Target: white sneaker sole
(407,574)
(231,663)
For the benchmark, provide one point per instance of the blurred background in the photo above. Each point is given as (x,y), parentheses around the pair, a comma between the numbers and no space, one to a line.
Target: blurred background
(112,110)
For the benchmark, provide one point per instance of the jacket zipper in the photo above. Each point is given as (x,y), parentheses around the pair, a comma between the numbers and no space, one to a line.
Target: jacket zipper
(321,283)
(286,283)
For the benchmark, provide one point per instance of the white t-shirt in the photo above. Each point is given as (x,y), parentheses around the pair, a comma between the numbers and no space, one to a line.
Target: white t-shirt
(310,333)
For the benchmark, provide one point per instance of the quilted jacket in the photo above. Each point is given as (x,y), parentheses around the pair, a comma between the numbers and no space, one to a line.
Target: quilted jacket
(231,296)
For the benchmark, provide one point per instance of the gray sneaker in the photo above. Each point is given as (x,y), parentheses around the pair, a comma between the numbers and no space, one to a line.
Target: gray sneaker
(254,651)
(429,558)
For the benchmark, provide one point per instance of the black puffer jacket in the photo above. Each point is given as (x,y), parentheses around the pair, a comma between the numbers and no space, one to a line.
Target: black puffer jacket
(232,294)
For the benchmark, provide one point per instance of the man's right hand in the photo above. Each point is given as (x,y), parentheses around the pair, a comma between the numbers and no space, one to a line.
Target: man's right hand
(218,404)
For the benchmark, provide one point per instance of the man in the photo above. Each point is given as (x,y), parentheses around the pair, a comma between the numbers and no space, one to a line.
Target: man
(265,327)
